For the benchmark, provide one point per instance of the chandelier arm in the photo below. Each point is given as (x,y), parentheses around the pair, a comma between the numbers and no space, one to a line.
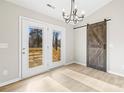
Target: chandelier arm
(71,12)
(65,17)
(80,19)
(82,16)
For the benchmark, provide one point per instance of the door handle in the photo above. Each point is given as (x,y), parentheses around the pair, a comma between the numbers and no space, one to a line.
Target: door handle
(47,47)
(23,48)
(104,46)
(23,52)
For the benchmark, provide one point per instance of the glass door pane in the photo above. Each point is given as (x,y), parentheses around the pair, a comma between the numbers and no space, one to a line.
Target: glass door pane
(56,46)
(35,47)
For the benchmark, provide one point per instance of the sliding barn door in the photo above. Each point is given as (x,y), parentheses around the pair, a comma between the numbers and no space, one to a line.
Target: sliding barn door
(96,46)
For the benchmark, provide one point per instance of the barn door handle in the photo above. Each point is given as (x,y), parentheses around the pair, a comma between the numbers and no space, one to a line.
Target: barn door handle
(104,46)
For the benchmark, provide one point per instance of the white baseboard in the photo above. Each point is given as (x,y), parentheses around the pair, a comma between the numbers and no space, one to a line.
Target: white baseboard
(80,63)
(111,72)
(9,82)
(68,63)
(116,73)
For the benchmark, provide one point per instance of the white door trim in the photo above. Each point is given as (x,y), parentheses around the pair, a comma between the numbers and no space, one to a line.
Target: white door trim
(20,47)
(26,71)
(49,26)
(20,41)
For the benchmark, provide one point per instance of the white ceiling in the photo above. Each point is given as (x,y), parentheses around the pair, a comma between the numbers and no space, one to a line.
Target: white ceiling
(89,6)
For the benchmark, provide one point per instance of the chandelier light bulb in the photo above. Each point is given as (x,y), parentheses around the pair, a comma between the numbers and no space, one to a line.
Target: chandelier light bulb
(63,10)
(83,13)
(75,6)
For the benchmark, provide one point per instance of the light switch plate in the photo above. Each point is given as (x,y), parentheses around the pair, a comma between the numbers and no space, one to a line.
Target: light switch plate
(3,45)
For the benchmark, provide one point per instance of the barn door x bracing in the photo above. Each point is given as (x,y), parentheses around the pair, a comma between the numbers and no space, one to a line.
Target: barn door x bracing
(96,46)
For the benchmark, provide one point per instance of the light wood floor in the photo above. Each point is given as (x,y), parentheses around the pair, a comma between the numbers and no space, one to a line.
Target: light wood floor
(75,78)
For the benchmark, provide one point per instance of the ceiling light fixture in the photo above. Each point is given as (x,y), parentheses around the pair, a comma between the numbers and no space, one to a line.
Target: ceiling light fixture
(73,14)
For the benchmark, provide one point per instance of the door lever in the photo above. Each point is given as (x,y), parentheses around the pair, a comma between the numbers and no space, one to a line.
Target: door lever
(47,47)
(104,46)
(23,48)
(23,52)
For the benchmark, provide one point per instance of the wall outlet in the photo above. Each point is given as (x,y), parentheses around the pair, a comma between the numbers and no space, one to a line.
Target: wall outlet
(5,72)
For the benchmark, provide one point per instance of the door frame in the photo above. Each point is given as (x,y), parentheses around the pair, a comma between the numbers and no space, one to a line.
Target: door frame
(26,70)
(20,41)
(49,26)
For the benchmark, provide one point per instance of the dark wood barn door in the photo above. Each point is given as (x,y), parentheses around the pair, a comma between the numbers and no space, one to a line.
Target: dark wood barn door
(96,46)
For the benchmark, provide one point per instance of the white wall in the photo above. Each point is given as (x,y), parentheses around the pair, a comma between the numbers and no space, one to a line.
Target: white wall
(115,35)
(80,45)
(9,33)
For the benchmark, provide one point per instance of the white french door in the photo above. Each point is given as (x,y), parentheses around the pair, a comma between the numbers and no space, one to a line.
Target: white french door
(57,46)
(33,48)
(43,47)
